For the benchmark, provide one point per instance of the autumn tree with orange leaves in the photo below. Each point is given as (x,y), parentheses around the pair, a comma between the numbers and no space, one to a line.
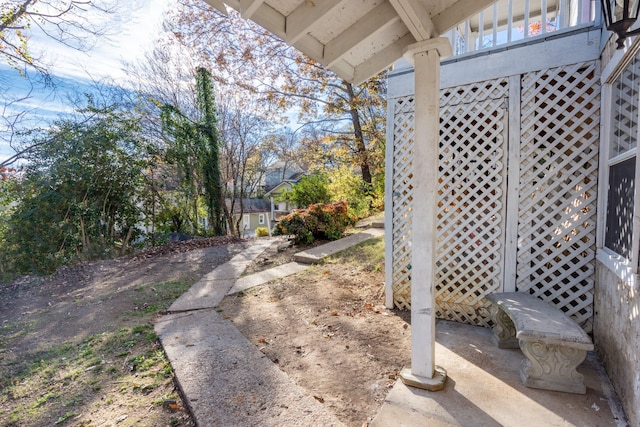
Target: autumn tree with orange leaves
(244,56)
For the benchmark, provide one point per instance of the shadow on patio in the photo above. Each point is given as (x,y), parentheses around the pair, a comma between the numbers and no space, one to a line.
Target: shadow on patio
(483,388)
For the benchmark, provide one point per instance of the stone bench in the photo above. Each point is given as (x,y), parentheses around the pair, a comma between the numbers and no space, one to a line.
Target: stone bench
(553,343)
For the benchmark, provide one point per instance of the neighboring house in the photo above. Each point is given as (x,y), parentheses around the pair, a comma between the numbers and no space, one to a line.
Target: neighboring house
(255,214)
(281,172)
(530,184)
(264,212)
(280,207)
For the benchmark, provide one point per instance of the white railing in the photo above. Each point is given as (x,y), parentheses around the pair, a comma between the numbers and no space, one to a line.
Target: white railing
(510,21)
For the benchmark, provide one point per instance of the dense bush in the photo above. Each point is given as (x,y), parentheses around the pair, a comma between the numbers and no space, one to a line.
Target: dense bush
(320,221)
(363,199)
(78,195)
(344,183)
(262,232)
(309,190)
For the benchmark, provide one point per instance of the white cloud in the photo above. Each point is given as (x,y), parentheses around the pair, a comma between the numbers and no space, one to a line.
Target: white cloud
(133,30)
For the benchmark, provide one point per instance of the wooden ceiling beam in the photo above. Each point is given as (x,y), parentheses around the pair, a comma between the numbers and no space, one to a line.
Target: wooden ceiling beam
(379,19)
(382,59)
(249,7)
(416,18)
(458,12)
(218,5)
(301,20)
(314,50)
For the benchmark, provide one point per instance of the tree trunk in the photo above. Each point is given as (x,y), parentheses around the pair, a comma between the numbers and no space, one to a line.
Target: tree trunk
(228,218)
(361,148)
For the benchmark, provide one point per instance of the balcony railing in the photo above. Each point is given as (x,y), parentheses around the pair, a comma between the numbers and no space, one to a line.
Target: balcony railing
(510,21)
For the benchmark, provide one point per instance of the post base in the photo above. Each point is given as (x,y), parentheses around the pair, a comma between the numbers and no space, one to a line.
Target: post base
(432,384)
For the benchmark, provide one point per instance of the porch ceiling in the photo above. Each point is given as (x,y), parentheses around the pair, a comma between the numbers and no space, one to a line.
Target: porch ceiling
(355,38)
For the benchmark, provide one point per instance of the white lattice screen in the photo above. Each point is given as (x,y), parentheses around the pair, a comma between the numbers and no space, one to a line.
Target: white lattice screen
(558,166)
(402,195)
(471,203)
(558,187)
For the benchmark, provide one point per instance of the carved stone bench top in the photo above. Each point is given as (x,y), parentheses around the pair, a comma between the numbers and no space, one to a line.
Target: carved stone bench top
(535,320)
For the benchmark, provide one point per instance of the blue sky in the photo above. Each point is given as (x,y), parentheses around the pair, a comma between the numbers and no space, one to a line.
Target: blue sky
(136,28)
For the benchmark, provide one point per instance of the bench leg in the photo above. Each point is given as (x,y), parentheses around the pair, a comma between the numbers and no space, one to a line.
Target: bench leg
(504,333)
(552,367)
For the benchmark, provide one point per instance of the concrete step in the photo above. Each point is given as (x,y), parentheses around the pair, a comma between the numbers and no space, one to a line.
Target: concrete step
(315,255)
(379,223)
(211,289)
(266,276)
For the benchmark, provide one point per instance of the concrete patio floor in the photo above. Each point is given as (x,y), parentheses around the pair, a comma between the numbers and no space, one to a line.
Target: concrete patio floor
(483,388)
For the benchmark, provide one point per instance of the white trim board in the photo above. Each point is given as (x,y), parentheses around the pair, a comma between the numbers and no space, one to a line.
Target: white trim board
(579,47)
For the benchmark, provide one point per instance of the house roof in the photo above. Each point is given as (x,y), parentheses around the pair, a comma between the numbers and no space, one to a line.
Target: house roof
(251,205)
(283,184)
(355,39)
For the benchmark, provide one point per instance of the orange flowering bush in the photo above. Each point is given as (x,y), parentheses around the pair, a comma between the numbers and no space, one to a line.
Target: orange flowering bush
(320,221)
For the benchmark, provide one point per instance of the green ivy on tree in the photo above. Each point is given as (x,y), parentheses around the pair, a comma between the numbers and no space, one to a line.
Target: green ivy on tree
(195,149)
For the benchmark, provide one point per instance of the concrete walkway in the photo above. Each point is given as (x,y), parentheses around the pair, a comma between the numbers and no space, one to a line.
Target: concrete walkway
(225,380)
(209,291)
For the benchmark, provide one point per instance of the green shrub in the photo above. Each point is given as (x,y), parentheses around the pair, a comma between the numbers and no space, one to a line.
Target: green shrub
(363,199)
(310,189)
(320,221)
(262,232)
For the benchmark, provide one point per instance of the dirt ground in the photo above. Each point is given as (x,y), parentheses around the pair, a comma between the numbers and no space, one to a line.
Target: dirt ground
(77,347)
(327,328)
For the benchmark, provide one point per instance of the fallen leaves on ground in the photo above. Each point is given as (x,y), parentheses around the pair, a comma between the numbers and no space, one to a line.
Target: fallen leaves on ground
(189,245)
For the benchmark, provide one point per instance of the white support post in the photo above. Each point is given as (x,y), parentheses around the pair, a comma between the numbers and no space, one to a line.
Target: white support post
(527,12)
(543,16)
(425,56)
(510,22)
(480,30)
(467,37)
(494,39)
(511,222)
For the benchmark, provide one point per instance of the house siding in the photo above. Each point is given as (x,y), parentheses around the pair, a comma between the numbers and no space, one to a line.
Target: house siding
(254,221)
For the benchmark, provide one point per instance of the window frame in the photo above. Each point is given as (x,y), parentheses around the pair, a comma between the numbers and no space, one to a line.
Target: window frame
(626,269)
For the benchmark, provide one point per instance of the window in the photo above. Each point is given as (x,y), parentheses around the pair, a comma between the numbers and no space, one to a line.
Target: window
(623,137)
(246,221)
(261,219)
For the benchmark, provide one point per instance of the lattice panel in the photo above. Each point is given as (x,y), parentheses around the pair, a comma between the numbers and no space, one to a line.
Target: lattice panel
(461,289)
(466,94)
(471,204)
(558,187)
(403,133)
